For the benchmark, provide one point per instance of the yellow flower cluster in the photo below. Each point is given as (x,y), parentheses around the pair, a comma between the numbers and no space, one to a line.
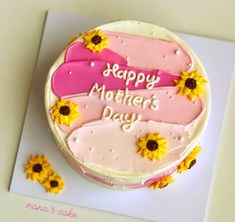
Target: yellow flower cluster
(189,161)
(162,183)
(38,168)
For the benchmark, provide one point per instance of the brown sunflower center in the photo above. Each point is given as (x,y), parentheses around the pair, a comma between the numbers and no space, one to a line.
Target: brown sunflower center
(152,145)
(54,183)
(191,83)
(64,110)
(193,162)
(96,39)
(37,168)
(164,186)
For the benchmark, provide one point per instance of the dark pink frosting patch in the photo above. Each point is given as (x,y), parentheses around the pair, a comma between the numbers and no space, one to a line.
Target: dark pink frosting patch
(79,77)
(78,52)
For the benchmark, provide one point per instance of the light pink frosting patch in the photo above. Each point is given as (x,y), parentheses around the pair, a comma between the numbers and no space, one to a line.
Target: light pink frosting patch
(150,53)
(173,108)
(79,77)
(119,152)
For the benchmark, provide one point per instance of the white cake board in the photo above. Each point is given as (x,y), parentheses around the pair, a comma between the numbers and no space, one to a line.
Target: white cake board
(183,201)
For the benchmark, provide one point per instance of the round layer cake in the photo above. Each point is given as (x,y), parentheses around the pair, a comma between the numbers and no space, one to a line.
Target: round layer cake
(127,103)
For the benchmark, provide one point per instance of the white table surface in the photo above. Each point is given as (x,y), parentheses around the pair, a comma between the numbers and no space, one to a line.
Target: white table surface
(21,24)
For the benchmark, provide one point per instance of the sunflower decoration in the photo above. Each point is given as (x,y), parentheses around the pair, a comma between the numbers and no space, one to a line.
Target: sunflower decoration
(189,161)
(65,112)
(153,146)
(53,183)
(37,167)
(95,40)
(163,182)
(191,84)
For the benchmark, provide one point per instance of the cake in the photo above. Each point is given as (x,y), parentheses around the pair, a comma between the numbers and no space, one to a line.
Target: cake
(127,103)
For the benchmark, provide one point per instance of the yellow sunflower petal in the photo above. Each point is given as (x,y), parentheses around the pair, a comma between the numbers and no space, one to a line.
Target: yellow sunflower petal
(150,136)
(156,136)
(192,96)
(180,83)
(186,91)
(142,144)
(161,141)
(180,91)
(198,91)
(183,77)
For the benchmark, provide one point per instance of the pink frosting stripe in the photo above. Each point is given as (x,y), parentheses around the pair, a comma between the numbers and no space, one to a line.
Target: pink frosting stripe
(136,51)
(119,152)
(78,52)
(78,77)
(150,53)
(91,107)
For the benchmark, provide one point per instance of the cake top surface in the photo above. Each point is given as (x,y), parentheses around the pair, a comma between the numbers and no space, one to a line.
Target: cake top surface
(128,99)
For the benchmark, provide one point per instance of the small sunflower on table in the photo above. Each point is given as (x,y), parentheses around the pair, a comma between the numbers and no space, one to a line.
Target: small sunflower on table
(38,168)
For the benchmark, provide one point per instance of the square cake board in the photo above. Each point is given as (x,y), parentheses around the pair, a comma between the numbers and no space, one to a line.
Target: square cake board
(183,201)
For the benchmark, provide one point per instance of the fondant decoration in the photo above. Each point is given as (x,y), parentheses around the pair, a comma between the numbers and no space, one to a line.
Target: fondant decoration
(78,77)
(65,112)
(92,143)
(37,167)
(153,146)
(191,84)
(53,183)
(189,161)
(95,40)
(162,183)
